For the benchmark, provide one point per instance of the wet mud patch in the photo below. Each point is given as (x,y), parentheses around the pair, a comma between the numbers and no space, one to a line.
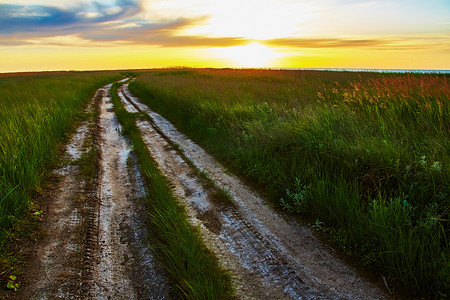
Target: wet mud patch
(211,221)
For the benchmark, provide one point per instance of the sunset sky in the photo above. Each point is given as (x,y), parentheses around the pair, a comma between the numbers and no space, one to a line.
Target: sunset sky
(122,34)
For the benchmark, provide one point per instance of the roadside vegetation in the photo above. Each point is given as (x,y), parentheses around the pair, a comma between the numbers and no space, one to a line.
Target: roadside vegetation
(192,268)
(37,112)
(365,155)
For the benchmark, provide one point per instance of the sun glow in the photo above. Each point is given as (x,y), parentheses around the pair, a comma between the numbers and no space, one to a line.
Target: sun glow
(253,55)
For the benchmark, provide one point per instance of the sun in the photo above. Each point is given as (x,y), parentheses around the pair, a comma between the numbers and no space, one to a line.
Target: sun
(253,55)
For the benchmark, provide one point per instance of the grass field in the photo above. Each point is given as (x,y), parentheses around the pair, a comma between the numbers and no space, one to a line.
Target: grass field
(36,113)
(365,155)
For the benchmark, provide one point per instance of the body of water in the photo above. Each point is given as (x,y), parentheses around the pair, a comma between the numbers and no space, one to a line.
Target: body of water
(372,70)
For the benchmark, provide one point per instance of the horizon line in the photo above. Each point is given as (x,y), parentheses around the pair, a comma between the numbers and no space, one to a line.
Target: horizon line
(350,69)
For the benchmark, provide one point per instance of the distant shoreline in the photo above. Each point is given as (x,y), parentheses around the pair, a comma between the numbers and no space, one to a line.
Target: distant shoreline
(419,71)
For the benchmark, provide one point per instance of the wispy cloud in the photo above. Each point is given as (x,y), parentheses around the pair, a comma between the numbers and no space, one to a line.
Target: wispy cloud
(326,42)
(16,19)
(404,42)
(162,33)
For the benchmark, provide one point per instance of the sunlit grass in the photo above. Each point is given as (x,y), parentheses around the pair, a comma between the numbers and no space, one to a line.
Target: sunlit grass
(370,153)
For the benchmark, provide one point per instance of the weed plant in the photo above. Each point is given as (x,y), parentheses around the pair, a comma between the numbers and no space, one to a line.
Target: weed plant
(365,153)
(191,266)
(36,115)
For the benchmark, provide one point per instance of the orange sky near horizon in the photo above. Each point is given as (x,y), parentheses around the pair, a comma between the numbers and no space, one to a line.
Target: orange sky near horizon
(39,35)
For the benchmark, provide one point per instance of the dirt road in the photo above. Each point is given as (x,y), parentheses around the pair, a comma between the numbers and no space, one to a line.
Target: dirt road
(96,245)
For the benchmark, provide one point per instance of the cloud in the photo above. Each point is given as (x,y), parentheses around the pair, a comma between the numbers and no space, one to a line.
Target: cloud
(327,42)
(98,25)
(48,26)
(404,42)
(16,19)
(165,34)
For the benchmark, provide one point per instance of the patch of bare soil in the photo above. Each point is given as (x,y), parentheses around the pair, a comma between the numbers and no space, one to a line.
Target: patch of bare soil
(96,238)
(267,256)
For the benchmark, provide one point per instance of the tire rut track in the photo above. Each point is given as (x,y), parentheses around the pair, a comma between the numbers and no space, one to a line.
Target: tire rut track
(96,243)
(267,255)
(60,269)
(125,268)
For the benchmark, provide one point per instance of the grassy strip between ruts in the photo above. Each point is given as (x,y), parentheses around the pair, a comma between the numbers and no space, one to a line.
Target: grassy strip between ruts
(191,266)
(365,154)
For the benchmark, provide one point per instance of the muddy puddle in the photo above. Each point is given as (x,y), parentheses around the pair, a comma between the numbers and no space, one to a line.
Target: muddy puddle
(267,256)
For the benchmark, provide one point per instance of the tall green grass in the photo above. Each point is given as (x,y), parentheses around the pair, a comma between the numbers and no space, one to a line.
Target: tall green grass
(191,266)
(365,153)
(36,112)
